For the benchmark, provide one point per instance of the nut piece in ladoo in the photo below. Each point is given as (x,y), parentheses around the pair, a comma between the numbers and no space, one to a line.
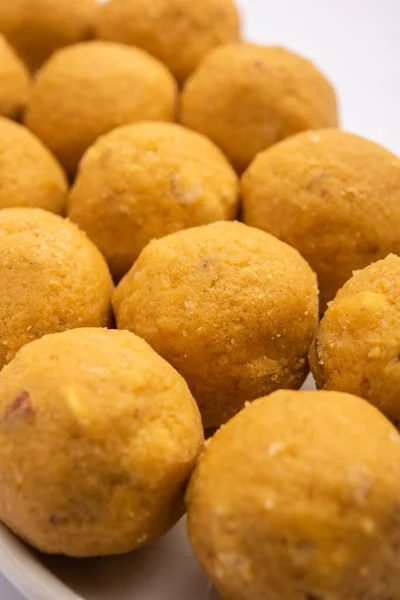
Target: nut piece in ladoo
(247,97)
(333,196)
(232,308)
(37,28)
(143,181)
(30,175)
(357,347)
(52,278)
(86,90)
(98,437)
(14,82)
(177,32)
(297,498)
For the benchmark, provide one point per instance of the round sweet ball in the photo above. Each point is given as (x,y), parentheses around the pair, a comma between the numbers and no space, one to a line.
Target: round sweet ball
(87,89)
(30,175)
(357,347)
(14,82)
(232,308)
(97,465)
(333,196)
(143,181)
(52,278)
(297,497)
(177,32)
(247,97)
(37,28)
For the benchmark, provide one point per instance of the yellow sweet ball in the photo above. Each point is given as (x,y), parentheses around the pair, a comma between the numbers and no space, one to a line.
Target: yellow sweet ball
(52,278)
(143,181)
(98,437)
(85,90)
(232,308)
(333,196)
(297,498)
(37,28)
(30,175)
(14,82)
(177,32)
(357,347)
(247,97)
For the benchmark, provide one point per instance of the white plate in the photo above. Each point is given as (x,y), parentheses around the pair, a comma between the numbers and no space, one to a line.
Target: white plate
(165,571)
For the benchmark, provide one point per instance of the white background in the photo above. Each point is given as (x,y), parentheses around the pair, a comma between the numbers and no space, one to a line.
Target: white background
(356,43)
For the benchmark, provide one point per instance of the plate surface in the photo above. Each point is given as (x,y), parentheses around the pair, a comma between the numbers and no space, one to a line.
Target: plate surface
(167,570)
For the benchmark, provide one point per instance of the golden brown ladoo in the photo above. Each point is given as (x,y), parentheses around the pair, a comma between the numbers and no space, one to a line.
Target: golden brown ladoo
(30,175)
(297,498)
(232,308)
(177,32)
(98,436)
(37,28)
(52,278)
(247,97)
(357,347)
(14,82)
(143,181)
(87,89)
(333,196)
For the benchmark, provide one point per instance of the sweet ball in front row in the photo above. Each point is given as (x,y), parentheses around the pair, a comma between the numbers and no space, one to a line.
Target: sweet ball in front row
(98,437)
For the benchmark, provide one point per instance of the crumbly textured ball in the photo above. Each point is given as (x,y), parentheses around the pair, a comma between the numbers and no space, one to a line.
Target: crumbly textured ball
(178,32)
(30,176)
(357,347)
(297,497)
(247,98)
(87,89)
(143,181)
(98,437)
(231,308)
(14,82)
(333,196)
(52,278)
(37,28)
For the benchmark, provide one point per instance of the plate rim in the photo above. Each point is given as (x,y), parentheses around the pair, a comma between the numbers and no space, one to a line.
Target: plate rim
(25,572)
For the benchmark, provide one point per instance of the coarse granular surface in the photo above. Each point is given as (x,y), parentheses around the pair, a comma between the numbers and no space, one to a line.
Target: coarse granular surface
(30,175)
(52,278)
(247,97)
(297,497)
(87,89)
(357,347)
(333,196)
(14,82)
(143,181)
(98,436)
(177,32)
(37,28)
(232,308)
